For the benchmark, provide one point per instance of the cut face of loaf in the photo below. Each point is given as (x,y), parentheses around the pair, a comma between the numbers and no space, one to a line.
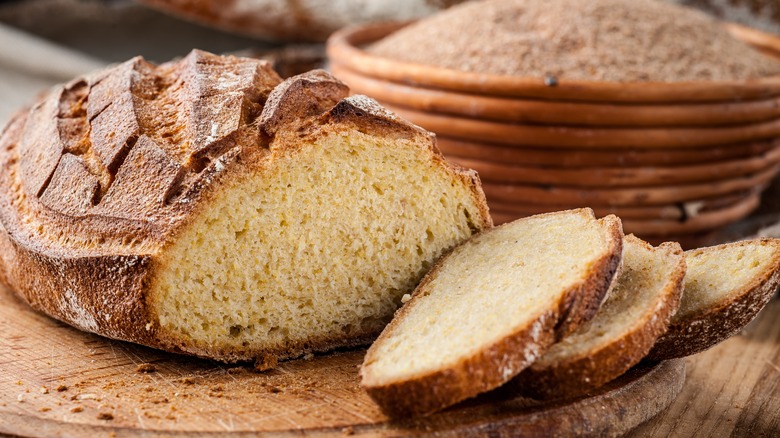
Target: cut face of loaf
(726,286)
(202,206)
(490,308)
(641,303)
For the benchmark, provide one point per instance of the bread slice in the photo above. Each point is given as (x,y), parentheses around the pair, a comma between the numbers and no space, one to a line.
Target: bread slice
(726,286)
(491,307)
(640,305)
(202,206)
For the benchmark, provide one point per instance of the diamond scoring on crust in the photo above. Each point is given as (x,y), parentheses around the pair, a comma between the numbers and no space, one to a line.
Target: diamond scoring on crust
(189,113)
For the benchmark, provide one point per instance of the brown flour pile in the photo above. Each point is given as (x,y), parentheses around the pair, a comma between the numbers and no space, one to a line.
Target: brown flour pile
(601,40)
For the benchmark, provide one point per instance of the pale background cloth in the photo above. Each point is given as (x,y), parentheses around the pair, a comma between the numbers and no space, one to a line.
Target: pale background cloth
(41,65)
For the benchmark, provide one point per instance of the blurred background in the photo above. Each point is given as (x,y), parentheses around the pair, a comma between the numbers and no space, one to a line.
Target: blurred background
(43,42)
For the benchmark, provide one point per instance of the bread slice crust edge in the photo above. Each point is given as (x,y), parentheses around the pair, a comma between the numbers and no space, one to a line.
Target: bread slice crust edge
(495,364)
(587,371)
(705,329)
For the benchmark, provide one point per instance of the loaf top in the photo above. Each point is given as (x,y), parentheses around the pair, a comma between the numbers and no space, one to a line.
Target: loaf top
(117,157)
(601,40)
(114,162)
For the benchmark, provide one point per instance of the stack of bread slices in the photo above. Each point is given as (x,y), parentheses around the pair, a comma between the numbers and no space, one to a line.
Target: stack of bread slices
(557,305)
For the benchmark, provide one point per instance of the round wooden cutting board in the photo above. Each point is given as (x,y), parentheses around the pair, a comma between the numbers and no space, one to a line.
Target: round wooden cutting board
(58,381)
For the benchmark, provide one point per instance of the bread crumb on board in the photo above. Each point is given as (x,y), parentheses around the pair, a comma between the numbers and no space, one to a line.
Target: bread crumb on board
(265,363)
(146,368)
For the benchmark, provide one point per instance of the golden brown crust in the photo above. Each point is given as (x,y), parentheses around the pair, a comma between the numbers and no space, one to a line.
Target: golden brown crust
(366,113)
(292,102)
(94,123)
(6,251)
(700,331)
(577,375)
(102,175)
(473,375)
(89,174)
(72,187)
(495,364)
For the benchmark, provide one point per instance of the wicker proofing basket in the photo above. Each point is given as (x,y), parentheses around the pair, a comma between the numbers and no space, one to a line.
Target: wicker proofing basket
(692,157)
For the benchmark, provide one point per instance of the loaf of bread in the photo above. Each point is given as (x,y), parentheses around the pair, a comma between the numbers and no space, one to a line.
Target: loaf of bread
(490,308)
(201,206)
(726,286)
(641,303)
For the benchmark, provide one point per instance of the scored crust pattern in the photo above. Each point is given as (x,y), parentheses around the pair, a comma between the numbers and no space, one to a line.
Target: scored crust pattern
(171,120)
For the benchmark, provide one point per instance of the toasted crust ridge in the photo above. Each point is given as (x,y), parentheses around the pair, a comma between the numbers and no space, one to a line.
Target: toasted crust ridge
(300,97)
(580,371)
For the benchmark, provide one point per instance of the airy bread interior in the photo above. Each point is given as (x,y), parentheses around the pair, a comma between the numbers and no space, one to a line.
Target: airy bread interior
(319,244)
(717,276)
(488,288)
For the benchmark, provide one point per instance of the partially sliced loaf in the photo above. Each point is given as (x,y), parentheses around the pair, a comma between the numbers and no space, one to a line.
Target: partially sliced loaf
(725,288)
(202,206)
(490,308)
(641,303)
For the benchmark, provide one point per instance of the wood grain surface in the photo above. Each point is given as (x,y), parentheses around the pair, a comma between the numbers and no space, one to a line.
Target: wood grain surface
(732,389)
(58,381)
